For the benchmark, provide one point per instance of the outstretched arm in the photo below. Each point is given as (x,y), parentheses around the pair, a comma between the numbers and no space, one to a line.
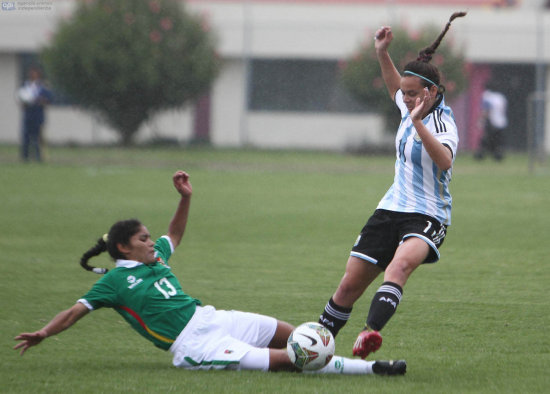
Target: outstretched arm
(60,322)
(179,220)
(382,39)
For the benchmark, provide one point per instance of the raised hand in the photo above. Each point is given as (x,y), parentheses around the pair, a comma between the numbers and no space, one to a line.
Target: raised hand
(382,38)
(182,184)
(420,105)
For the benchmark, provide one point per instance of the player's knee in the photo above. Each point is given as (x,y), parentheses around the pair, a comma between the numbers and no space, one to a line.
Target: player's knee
(402,264)
(399,270)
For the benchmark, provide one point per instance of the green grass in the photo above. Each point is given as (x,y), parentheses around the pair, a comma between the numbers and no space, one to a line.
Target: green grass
(270,232)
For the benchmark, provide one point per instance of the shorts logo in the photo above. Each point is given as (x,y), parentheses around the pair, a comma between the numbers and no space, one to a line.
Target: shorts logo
(228,351)
(357,241)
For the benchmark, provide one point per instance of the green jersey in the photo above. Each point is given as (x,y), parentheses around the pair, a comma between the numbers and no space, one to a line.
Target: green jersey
(148,296)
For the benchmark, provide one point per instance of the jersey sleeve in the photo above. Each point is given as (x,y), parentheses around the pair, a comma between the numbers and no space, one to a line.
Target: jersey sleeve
(446,131)
(164,249)
(400,104)
(102,294)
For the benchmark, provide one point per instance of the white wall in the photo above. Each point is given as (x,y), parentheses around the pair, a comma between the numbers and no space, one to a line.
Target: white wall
(228,127)
(10,113)
(316,131)
(75,126)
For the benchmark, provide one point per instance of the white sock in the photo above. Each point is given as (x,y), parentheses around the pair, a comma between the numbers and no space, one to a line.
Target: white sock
(347,366)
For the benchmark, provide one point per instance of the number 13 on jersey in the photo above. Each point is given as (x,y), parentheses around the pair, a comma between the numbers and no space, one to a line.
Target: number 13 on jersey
(166,288)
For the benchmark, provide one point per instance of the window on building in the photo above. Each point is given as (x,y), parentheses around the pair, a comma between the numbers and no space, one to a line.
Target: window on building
(299,85)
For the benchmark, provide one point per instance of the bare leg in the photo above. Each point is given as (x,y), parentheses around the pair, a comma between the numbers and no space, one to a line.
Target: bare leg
(358,276)
(278,356)
(282,333)
(279,360)
(408,256)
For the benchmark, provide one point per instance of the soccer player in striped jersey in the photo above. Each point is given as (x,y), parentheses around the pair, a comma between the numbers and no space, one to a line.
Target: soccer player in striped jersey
(410,222)
(145,292)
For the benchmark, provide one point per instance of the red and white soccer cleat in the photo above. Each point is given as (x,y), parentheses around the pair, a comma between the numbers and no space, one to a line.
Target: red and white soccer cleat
(366,343)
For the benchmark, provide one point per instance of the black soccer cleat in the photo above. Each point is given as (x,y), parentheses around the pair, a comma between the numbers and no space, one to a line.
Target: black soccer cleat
(397,367)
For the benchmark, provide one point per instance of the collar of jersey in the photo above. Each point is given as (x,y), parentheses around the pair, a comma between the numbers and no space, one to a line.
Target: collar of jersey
(127,263)
(438,102)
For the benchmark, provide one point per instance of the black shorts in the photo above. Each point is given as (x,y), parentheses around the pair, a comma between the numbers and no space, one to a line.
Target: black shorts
(386,230)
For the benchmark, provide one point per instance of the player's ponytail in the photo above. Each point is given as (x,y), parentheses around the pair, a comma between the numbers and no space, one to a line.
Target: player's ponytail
(96,250)
(422,68)
(120,233)
(425,55)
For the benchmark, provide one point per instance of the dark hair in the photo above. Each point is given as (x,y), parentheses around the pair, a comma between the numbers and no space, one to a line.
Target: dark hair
(422,65)
(120,233)
(36,68)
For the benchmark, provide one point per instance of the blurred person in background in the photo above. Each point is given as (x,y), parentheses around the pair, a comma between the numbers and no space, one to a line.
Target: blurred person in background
(410,222)
(33,97)
(494,121)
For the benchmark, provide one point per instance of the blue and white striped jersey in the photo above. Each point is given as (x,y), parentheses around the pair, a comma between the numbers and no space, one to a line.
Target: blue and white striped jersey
(419,185)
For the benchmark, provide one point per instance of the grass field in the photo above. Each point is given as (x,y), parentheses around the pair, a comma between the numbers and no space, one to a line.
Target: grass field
(270,232)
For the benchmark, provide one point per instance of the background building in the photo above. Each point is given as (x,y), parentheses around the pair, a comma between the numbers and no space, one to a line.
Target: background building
(278,87)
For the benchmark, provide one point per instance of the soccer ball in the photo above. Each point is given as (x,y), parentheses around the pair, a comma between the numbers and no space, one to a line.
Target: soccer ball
(310,346)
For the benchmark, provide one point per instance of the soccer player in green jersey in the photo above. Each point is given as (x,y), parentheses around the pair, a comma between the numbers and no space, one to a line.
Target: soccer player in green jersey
(145,292)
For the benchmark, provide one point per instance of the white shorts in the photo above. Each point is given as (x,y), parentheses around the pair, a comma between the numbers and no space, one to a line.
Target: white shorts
(220,339)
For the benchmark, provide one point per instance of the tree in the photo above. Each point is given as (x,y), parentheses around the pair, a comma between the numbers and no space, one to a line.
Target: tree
(127,59)
(361,73)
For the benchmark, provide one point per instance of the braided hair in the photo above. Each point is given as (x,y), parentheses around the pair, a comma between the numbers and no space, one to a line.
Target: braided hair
(120,233)
(422,65)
